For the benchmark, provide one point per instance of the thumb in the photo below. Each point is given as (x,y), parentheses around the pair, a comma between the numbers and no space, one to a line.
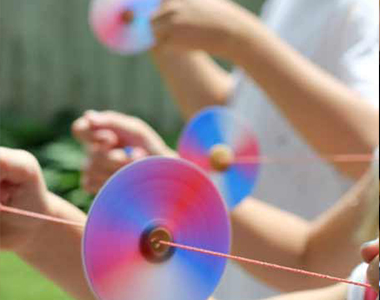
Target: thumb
(370,250)
(18,167)
(106,120)
(86,134)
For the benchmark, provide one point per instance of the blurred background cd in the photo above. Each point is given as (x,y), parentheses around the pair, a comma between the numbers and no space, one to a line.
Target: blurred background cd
(124,25)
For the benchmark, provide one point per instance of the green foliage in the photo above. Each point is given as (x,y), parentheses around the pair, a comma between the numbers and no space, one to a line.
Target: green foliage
(60,156)
(20,282)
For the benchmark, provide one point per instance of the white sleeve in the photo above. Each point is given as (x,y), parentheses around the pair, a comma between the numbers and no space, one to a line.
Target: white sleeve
(359,293)
(239,78)
(359,275)
(359,60)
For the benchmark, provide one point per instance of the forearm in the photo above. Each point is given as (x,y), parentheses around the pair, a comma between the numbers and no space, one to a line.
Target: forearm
(333,245)
(194,80)
(327,245)
(56,251)
(266,233)
(337,292)
(331,117)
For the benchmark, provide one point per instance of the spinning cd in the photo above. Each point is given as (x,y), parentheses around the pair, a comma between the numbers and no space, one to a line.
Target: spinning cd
(223,145)
(124,25)
(154,200)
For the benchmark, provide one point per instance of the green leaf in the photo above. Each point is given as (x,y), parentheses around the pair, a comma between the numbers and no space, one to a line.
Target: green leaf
(65,154)
(80,199)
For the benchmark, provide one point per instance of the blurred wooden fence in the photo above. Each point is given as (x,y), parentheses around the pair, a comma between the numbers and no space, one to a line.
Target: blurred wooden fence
(49,61)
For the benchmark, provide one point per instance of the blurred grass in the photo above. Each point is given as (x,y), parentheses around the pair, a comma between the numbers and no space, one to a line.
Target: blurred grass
(61,159)
(20,282)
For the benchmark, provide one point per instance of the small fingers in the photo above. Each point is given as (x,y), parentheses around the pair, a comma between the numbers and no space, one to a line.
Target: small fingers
(109,120)
(370,250)
(162,22)
(104,140)
(18,166)
(82,131)
(165,13)
(107,161)
(92,186)
(86,134)
(100,167)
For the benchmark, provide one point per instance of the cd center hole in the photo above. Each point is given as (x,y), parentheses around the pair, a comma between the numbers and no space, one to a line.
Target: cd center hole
(151,246)
(128,16)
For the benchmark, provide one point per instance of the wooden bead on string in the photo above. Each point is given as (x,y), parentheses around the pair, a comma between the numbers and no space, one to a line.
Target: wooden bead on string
(221,158)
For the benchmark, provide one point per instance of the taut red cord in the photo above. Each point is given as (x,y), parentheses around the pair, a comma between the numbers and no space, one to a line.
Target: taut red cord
(28,214)
(339,158)
(34,215)
(264,264)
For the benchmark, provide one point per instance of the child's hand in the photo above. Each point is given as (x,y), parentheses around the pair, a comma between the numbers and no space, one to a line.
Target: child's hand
(102,164)
(370,253)
(21,186)
(106,134)
(209,25)
(373,273)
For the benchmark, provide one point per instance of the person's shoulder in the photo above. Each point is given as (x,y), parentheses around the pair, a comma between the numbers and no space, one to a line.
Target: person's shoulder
(360,5)
(356,22)
(359,12)
(339,12)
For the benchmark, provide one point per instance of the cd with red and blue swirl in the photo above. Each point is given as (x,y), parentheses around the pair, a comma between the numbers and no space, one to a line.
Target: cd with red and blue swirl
(124,25)
(157,199)
(224,146)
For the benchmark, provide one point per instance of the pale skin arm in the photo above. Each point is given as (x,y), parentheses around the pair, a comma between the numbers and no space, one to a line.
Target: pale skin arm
(337,292)
(56,250)
(266,233)
(193,79)
(318,106)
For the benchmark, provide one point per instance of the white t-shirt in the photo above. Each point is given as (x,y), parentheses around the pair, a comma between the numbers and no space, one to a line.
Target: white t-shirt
(341,36)
(359,293)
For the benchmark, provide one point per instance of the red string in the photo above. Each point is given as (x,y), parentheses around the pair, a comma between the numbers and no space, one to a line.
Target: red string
(24,213)
(33,215)
(264,264)
(340,158)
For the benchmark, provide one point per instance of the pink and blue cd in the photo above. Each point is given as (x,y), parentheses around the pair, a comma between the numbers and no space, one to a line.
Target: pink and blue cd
(108,21)
(156,192)
(219,126)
